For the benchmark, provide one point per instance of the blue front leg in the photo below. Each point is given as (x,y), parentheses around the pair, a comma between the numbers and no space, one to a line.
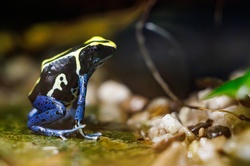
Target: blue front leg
(47,110)
(80,111)
(79,115)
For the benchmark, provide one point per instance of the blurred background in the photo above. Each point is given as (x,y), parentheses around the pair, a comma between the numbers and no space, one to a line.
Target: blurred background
(187,40)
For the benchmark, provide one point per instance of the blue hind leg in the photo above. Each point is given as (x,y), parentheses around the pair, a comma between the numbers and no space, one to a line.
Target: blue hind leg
(47,110)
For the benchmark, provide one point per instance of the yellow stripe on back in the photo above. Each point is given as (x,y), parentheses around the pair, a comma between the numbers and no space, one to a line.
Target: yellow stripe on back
(53,58)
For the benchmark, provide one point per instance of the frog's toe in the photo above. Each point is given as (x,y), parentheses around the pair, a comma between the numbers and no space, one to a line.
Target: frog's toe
(63,138)
(78,127)
(94,136)
(98,134)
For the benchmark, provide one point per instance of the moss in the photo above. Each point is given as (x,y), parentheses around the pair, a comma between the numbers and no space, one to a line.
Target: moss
(19,146)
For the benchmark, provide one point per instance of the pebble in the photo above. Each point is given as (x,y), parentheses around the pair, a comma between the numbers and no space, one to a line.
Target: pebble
(113,92)
(218,102)
(174,155)
(239,146)
(158,106)
(217,131)
(171,124)
(205,151)
(138,120)
(135,103)
(111,113)
(190,117)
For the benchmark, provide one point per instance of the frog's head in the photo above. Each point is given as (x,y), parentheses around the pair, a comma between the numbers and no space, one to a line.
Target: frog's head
(96,51)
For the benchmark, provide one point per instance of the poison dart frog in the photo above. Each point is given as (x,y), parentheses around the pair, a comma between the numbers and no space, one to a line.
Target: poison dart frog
(63,80)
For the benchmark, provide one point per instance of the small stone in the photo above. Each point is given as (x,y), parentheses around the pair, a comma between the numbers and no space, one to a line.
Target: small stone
(165,143)
(202,125)
(111,113)
(156,131)
(216,102)
(206,151)
(201,132)
(239,146)
(176,154)
(159,138)
(135,103)
(190,117)
(91,98)
(217,131)
(158,106)
(171,124)
(113,92)
(138,120)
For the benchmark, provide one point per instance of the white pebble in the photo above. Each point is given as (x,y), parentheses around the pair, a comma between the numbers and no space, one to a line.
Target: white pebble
(113,92)
(135,103)
(111,113)
(157,139)
(171,124)
(138,119)
(216,102)
(239,146)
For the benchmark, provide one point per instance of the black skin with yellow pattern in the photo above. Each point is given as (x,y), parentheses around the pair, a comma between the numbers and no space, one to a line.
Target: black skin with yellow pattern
(63,80)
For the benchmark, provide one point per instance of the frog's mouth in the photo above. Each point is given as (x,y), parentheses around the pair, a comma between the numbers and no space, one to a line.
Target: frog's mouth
(98,62)
(105,53)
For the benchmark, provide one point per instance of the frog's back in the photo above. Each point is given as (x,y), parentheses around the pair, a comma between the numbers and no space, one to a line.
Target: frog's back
(58,79)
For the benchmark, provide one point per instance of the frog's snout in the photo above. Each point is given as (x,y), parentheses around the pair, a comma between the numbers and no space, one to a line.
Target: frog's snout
(106,52)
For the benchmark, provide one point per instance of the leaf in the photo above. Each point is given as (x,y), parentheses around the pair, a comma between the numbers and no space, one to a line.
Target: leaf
(237,88)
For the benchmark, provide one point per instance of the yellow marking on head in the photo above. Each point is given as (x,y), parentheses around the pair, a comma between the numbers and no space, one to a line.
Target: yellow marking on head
(91,42)
(109,43)
(95,38)
(99,40)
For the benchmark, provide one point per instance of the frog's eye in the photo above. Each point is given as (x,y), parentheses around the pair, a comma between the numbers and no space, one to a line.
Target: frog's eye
(93,49)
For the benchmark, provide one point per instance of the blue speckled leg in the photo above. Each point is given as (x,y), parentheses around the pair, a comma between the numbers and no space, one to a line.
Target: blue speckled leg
(79,115)
(47,110)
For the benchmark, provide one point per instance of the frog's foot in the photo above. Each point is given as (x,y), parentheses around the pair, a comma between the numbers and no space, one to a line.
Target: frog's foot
(53,132)
(67,132)
(93,136)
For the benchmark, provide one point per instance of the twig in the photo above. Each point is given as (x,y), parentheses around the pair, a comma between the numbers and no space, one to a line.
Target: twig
(241,117)
(145,53)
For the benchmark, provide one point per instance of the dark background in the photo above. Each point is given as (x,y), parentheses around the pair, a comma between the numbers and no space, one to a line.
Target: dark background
(202,38)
